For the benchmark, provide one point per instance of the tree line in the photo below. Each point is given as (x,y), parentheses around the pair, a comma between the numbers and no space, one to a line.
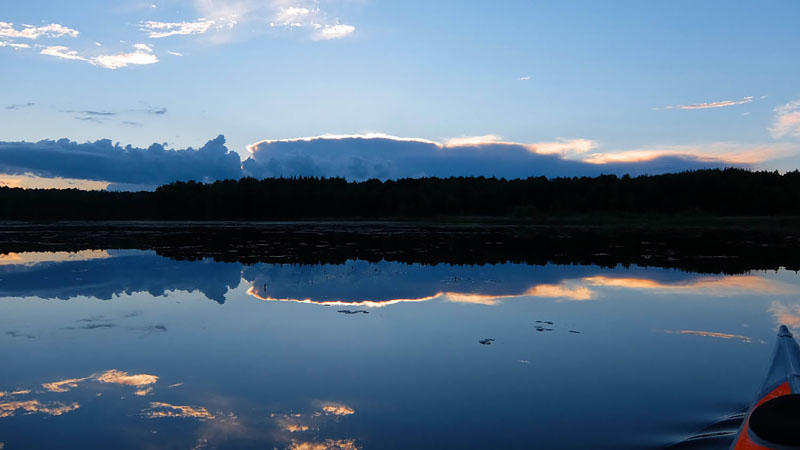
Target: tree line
(711,192)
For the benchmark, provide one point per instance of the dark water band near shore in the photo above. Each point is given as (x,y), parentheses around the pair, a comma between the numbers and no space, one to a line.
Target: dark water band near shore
(722,246)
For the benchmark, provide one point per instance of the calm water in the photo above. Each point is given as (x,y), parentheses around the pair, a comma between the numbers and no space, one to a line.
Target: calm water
(128,349)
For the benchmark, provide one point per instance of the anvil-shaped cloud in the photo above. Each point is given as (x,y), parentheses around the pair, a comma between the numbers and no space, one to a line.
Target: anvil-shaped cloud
(355,157)
(359,157)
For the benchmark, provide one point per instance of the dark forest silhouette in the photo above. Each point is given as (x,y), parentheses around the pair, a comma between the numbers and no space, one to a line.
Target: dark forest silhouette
(704,192)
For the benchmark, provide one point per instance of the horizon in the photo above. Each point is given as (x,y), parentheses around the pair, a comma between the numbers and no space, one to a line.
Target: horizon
(362,89)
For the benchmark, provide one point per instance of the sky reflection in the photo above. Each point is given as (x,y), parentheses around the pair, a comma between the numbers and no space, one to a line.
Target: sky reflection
(161,361)
(32,258)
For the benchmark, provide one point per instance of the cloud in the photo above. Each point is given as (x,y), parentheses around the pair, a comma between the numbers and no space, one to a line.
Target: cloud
(8,409)
(64,385)
(787,120)
(563,147)
(328,32)
(337,409)
(358,157)
(12,44)
(119,377)
(107,276)
(160,410)
(175,53)
(786,315)
(311,17)
(712,334)
(30,181)
(290,16)
(525,78)
(62,52)
(20,105)
(90,112)
(328,444)
(560,147)
(104,161)
(155,110)
(709,286)
(355,157)
(141,55)
(52,30)
(108,377)
(720,104)
(157,30)
(730,152)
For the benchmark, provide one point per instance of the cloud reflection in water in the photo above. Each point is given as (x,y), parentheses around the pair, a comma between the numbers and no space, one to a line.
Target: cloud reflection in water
(160,410)
(109,376)
(712,334)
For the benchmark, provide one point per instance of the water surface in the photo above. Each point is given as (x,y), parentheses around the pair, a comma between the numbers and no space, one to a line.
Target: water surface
(129,349)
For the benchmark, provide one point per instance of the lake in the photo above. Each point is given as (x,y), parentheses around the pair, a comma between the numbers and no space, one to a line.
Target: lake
(107,344)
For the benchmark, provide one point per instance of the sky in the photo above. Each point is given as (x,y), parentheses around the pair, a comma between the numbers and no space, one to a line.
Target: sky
(97,94)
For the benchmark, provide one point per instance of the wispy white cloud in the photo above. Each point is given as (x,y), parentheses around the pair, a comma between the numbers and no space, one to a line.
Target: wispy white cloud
(219,15)
(52,30)
(709,105)
(308,15)
(328,32)
(142,54)
(157,30)
(787,120)
(175,53)
(525,78)
(290,16)
(59,51)
(12,44)
(8,33)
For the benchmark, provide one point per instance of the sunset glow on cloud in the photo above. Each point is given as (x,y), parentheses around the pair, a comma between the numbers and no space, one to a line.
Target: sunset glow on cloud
(708,105)
(569,289)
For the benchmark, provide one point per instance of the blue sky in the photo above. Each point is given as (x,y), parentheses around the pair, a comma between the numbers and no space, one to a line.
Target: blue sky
(593,82)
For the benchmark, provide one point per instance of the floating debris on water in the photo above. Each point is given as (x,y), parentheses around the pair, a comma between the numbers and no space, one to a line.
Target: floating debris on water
(573,331)
(357,311)
(486,341)
(547,322)
(539,328)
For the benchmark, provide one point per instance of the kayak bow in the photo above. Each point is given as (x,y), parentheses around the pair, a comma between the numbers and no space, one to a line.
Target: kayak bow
(773,421)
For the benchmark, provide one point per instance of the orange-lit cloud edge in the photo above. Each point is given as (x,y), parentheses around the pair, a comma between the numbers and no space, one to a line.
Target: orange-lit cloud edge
(788,315)
(579,289)
(713,334)
(33,258)
(583,149)
(30,181)
(296,430)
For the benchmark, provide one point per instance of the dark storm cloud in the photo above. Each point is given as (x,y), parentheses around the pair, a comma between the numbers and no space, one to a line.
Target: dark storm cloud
(360,158)
(355,158)
(104,161)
